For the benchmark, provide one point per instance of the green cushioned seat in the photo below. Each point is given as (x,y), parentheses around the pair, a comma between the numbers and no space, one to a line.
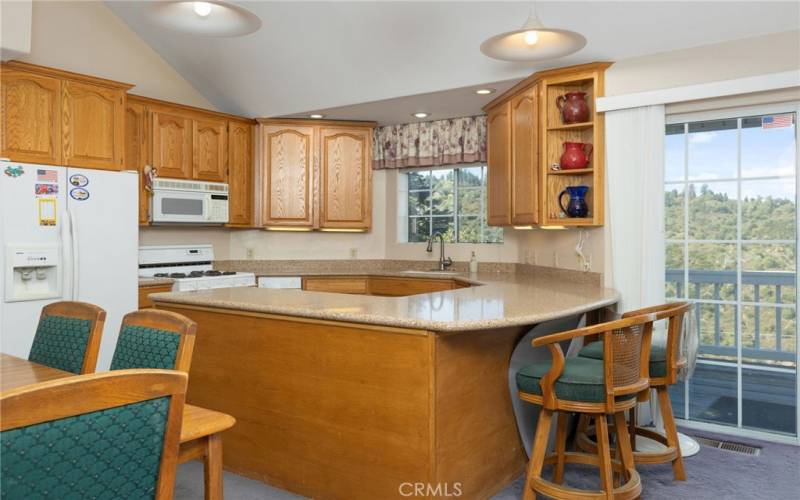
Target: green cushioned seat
(60,342)
(581,380)
(658,357)
(107,454)
(143,347)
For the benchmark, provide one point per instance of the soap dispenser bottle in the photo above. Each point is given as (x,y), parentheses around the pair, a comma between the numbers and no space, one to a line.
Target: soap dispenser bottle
(473,263)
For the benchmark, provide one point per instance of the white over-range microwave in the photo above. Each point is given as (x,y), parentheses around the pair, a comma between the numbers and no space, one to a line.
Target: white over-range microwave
(178,201)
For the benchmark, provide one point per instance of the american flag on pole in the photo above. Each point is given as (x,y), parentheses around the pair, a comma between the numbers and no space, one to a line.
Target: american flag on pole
(777,121)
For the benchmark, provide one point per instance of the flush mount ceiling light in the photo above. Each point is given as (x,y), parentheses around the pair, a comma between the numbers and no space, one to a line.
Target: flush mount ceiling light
(204,18)
(485,91)
(420,114)
(533,42)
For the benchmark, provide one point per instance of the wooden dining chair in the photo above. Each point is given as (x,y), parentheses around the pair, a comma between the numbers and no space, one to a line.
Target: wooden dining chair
(597,388)
(150,338)
(68,336)
(665,363)
(103,435)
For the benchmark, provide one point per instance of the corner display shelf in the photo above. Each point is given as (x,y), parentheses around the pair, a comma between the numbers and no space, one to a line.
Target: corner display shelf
(554,133)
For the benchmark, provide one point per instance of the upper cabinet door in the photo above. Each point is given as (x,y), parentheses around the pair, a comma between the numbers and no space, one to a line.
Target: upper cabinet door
(31,117)
(210,150)
(172,145)
(288,174)
(240,173)
(345,178)
(136,155)
(498,171)
(524,158)
(93,125)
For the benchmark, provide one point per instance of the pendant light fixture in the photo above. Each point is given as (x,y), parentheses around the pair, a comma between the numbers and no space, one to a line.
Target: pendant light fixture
(216,18)
(533,42)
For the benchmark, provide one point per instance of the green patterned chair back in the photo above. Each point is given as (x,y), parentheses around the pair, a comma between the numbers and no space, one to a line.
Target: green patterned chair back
(68,336)
(154,339)
(85,446)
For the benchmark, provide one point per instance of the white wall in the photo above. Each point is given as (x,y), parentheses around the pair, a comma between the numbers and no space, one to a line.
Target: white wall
(15,28)
(708,63)
(86,37)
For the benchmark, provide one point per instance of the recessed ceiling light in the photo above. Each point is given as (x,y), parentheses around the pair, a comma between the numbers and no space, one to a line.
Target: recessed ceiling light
(217,18)
(316,116)
(485,91)
(420,114)
(202,9)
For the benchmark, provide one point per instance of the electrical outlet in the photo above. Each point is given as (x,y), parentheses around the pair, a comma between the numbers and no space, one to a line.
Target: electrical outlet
(251,253)
(354,253)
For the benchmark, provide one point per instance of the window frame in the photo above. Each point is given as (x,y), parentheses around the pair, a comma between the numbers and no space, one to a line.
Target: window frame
(455,215)
(738,113)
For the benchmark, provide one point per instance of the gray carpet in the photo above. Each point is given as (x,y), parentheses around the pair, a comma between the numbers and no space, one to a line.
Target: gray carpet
(711,473)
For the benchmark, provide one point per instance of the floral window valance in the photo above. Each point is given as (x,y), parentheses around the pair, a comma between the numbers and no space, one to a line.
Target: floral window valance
(426,144)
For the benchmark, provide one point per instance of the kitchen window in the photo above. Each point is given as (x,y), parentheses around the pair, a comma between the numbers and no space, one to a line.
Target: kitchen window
(449,201)
(731,247)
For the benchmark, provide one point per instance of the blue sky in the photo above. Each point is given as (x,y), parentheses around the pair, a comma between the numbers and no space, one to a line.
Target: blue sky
(713,155)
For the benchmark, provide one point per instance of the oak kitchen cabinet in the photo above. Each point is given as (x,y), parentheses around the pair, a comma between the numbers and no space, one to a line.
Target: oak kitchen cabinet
(345,177)
(525,139)
(498,168)
(210,149)
(183,142)
(137,149)
(57,117)
(240,173)
(316,174)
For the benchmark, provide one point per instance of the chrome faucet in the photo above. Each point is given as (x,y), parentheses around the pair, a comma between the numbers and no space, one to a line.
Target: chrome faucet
(443,263)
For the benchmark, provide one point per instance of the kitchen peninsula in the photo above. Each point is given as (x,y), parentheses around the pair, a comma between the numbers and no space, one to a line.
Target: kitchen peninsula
(344,395)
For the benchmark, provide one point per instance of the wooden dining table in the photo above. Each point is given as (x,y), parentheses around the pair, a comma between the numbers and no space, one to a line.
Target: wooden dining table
(200,431)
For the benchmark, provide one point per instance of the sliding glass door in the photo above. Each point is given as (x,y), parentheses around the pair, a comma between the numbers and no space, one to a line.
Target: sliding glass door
(731,247)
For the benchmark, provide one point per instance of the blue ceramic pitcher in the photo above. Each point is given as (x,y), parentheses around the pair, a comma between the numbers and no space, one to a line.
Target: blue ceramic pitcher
(576,206)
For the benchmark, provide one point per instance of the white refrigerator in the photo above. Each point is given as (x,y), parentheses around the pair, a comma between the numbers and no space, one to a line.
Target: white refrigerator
(66,234)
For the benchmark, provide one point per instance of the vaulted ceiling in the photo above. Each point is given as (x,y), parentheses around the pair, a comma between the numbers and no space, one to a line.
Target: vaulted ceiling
(311,56)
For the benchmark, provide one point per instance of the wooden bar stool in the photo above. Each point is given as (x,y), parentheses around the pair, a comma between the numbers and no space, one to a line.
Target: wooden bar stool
(68,336)
(665,364)
(599,388)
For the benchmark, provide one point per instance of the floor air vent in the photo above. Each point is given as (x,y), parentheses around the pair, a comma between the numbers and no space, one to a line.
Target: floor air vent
(730,446)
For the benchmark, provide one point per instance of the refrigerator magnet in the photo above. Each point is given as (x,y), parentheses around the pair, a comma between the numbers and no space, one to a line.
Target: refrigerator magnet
(46,175)
(46,189)
(79,194)
(78,180)
(14,171)
(47,211)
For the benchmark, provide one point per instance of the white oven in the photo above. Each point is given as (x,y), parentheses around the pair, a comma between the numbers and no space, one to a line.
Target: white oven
(177,201)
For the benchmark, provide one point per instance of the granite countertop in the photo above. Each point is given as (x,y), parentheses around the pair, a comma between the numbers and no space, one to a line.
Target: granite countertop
(496,300)
(155,281)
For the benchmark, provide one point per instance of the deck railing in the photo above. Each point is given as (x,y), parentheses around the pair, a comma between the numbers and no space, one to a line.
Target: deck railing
(778,280)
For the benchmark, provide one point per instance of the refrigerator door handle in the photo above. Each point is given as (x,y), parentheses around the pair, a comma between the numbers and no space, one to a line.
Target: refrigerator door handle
(66,255)
(76,266)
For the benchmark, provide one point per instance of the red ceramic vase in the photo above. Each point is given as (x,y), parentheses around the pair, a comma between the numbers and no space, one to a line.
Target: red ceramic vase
(576,155)
(573,107)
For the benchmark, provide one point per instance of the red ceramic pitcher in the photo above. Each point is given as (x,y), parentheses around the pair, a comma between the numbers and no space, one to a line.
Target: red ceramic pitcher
(576,155)
(573,107)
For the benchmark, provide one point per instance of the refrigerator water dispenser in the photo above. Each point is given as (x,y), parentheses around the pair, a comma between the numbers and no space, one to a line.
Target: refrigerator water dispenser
(32,273)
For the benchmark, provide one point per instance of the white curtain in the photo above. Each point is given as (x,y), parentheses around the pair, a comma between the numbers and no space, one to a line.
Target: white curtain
(635,209)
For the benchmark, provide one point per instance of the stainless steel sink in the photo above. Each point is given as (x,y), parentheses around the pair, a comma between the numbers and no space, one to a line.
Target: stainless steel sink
(432,271)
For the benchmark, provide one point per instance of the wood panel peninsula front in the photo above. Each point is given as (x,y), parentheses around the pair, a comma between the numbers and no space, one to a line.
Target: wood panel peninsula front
(349,396)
